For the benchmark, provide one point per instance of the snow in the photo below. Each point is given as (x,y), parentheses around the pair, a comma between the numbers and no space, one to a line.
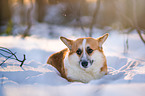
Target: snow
(126,71)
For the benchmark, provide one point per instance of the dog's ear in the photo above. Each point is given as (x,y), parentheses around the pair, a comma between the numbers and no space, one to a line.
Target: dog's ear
(102,39)
(67,42)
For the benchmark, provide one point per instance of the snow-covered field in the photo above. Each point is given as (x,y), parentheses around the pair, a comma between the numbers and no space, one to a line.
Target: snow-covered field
(126,71)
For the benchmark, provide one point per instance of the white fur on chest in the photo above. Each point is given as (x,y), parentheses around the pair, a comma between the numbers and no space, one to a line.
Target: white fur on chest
(76,73)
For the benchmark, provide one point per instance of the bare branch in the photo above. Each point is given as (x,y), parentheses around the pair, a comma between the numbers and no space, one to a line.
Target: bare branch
(5,60)
(3,49)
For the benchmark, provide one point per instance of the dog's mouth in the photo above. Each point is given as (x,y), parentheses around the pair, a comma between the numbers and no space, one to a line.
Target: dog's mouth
(85,63)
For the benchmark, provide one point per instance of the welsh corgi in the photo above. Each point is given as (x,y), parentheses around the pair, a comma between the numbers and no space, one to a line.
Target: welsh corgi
(82,61)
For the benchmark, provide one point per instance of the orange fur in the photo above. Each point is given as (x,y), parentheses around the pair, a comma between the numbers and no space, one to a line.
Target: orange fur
(57,59)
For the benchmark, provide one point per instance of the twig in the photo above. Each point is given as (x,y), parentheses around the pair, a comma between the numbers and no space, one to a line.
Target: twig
(22,62)
(6,60)
(5,51)
(94,16)
(10,57)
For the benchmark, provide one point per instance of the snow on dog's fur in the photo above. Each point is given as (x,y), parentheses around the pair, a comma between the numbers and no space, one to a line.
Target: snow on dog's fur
(82,61)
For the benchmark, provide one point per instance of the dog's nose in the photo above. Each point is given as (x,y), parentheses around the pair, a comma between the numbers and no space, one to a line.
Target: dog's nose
(84,64)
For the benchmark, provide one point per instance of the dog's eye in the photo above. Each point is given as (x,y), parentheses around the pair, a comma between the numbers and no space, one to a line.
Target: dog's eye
(89,50)
(79,51)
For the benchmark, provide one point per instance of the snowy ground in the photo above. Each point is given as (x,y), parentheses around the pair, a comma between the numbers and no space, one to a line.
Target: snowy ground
(126,72)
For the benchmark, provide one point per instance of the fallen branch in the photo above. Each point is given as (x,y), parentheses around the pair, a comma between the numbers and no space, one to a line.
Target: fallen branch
(12,56)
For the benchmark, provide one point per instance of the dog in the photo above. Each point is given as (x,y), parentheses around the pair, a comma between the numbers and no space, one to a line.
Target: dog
(83,60)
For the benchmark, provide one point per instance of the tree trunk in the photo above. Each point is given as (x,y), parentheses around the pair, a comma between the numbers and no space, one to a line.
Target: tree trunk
(40,10)
(5,13)
(94,17)
(29,21)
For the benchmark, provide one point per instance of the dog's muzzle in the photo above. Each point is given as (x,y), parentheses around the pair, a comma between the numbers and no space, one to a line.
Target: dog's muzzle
(86,63)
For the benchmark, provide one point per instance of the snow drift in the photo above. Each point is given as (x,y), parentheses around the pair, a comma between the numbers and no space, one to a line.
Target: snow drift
(126,72)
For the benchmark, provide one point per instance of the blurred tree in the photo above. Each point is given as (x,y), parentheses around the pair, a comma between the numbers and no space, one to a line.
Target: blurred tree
(135,22)
(72,10)
(140,13)
(5,12)
(53,1)
(29,21)
(41,9)
(94,17)
(107,13)
(129,16)
(22,11)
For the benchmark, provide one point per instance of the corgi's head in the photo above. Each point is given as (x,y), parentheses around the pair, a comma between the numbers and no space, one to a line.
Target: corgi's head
(84,52)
